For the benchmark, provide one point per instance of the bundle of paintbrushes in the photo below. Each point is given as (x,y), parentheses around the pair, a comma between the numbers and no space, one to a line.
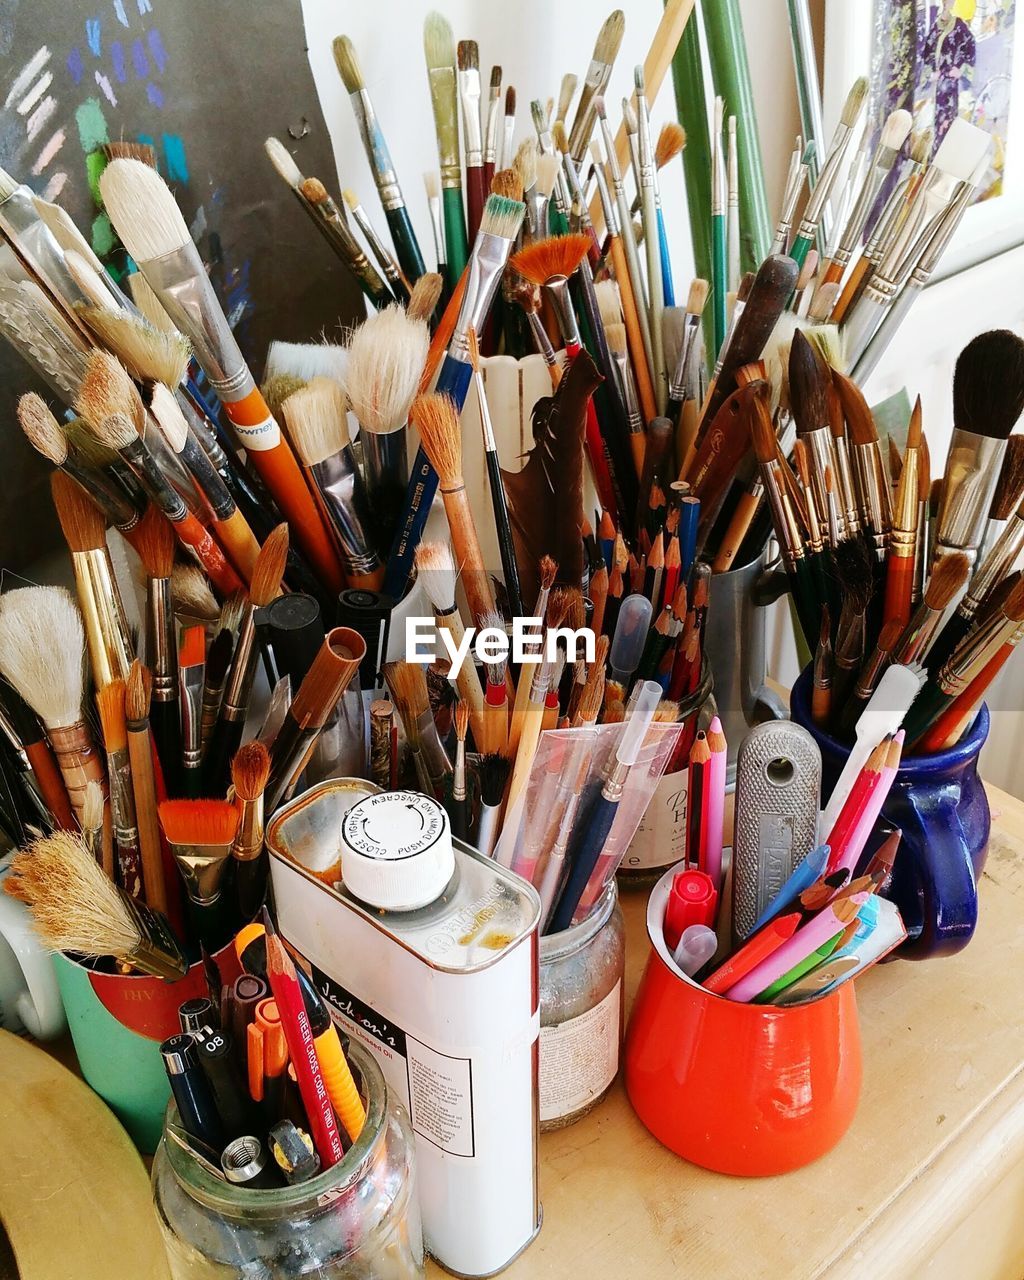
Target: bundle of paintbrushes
(766,924)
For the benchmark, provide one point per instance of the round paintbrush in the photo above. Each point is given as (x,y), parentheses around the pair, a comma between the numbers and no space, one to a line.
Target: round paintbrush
(386,356)
(426,294)
(137,704)
(437,421)
(42,646)
(193,602)
(155,544)
(99,598)
(436,571)
(459,808)
(29,730)
(250,771)
(75,907)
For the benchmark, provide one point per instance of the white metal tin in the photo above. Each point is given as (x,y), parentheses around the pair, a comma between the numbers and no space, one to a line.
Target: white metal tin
(446,997)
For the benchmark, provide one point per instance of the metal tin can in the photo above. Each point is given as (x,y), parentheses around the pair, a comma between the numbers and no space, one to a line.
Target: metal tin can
(581,1009)
(358,1220)
(445,996)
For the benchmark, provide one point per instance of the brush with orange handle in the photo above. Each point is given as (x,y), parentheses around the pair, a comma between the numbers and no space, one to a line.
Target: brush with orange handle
(899,576)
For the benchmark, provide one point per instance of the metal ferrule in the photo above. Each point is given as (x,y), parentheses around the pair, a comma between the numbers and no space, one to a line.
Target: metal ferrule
(972,473)
(835,526)
(783,518)
(818,198)
(876,500)
(794,185)
(36,245)
(122,800)
(536,213)
(620,360)
(540,125)
(161,648)
(378,248)
(202,868)
(435,758)
(558,291)
(140,458)
(540,336)
(579,200)
(242,670)
(934,194)
(844,480)
(444,98)
(903,535)
(594,84)
(191,687)
(491,133)
(871,674)
(377,150)
(103,616)
(509,136)
(40,333)
(885,158)
(329,218)
(180,281)
(202,428)
(822,456)
(459,775)
(486,264)
(645,158)
(248,842)
(918,636)
(435,222)
(615,782)
(338,480)
(941,236)
(611,216)
(996,565)
(974,652)
(384,458)
(734,320)
(469,94)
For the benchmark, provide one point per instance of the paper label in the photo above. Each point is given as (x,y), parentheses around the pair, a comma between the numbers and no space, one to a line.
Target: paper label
(436,1088)
(257,436)
(579,1058)
(660,839)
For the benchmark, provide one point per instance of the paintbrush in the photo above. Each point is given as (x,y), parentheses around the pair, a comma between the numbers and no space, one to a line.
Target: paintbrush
(426,293)
(870,674)
(383,256)
(436,570)
(191,598)
(809,382)
(318,427)
(110,701)
(407,685)
(595,83)
(156,550)
(492,127)
(200,834)
(99,598)
(830,168)
(42,647)
(315,699)
(23,726)
(719,196)
(140,754)
(76,908)
(493,772)
(468,57)
(988,396)
(191,666)
(386,355)
(227,732)
(250,770)
(432,186)
(507,149)
(439,50)
(683,389)
(155,234)
(648,206)
(379,159)
(905,521)
(869,471)
(459,813)
(217,662)
(946,582)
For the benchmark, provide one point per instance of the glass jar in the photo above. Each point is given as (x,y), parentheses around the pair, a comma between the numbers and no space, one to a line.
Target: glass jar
(356,1221)
(660,839)
(581,973)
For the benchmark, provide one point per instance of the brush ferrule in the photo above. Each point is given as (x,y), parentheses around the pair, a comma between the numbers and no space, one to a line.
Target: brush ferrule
(202,867)
(491,131)
(34,243)
(190,684)
(844,478)
(540,337)
(106,628)
(78,762)
(212,695)
(180,281)
(818,198)
(620,361)
(611,157)
(142,462)
(469,93)
(822,457)
(929,202)
(918,636)
(157,951)
(435,222)
(876,512)
(122,805)
(376,150)
(377,247)
(996,565)
(508,138)
(611,216)
(248,842)
(884,159)
(444,98)
(972,474)
(557,288)
(459,774)
(537,213)
(161,649)
(783,517)
(486,427)
(339,481)
(241,672)
(540,124)
(486,264)
(945,226)
(974,652)
(871,674)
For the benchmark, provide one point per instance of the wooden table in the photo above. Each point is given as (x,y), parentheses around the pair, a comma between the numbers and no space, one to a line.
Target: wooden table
(929,1180)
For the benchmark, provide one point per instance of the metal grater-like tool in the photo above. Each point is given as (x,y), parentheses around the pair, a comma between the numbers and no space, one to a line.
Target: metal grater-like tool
(778,793)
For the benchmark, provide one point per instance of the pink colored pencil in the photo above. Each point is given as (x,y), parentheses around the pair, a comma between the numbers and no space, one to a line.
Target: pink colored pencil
(866,823)
(815,933)
(715,813)
(855,805)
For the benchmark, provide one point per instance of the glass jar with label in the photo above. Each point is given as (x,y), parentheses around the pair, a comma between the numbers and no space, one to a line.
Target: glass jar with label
(356,1221)
(581,998)
(660,839)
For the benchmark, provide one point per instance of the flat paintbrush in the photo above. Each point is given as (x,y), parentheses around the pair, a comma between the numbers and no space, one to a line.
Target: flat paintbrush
(468,56)
(606,48)
(191,669)
(379,158)
(439,50)
(385,259)
(250,770)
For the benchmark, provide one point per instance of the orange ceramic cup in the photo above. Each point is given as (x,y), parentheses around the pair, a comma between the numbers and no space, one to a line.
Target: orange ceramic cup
(743,1089)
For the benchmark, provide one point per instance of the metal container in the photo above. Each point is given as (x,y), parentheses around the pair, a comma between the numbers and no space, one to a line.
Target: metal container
(445,996)
(581,1009)
(356,1221)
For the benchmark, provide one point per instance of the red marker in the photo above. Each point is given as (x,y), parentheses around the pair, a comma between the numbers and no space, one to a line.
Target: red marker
(691,900)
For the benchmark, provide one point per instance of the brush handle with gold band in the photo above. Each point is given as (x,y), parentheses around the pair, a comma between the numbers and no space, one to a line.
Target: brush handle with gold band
(143,783)
(103,616)
(125,828)
(249,858)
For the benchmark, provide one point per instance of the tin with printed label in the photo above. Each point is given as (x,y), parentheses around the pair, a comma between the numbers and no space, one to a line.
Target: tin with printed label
(426,953)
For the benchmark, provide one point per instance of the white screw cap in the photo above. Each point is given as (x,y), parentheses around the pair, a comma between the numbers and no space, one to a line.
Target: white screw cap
(396,850)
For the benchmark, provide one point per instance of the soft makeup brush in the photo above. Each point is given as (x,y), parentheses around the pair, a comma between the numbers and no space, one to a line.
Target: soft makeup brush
(156,550)
(316,697)
(30,734)
(250,770)
(379,159)
(110,701)
(468,56)
(595,83)
(200,834)
(191,664)
(75,907)
(386,355)
(439,50)
(155,234)
(47,437)
(988,396)
(397,282)
(436,571)
(317,423)
(140,753)
(227,732)
(432,186)
(830,168)
(437,421)
(42,646)
(407,684)
(99,598)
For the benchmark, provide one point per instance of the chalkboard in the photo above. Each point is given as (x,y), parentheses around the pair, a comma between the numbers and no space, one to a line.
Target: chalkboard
(204,82)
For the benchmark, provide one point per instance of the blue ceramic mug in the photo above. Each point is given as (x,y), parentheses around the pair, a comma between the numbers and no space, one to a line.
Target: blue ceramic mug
(938,801)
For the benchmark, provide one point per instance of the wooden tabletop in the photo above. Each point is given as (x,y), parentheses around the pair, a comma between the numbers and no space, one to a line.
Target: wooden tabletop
(929,1179)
